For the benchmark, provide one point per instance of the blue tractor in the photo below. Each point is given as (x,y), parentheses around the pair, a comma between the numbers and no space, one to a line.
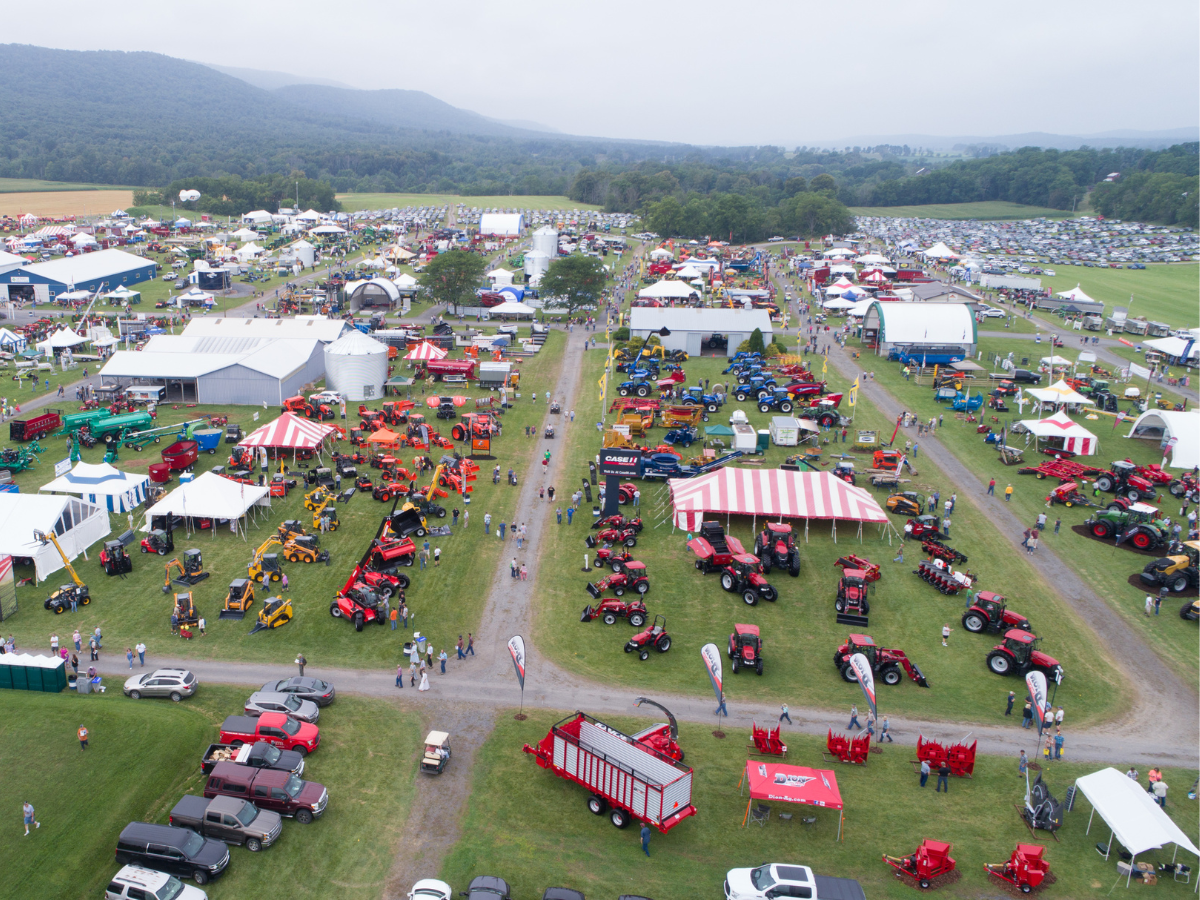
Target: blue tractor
(779,400)
(695,396)
(741,359)
(757,387)
(640,388)
(685,436)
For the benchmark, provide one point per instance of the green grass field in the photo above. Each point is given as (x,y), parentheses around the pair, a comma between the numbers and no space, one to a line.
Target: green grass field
(1161,293)
(533,828)
(132,773)
(1105,567)
(447,601)
(353,202)
(987,210)
(800,629)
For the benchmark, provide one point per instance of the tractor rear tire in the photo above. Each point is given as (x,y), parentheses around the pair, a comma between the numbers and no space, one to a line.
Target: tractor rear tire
(643,391)
(750,598)
(890,674)
(619,817)
(848,673)
(663,644)
(974,622)
(1100,529)
(597,805)
(637,619)
(726,579)
(608,619)
(1143,540)
(785,407)
(712,408)
(999,663)
(1134,495)
(1104,483)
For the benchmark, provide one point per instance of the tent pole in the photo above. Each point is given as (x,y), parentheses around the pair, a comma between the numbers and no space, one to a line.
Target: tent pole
(1089,828)
(747,815)
(1129,875)
(841,818)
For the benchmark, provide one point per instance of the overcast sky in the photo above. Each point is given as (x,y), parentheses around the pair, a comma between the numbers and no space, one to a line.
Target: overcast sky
(758,71)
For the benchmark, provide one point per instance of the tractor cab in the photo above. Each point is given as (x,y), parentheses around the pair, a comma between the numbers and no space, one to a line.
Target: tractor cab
(238,600)
(1021,645)
(888,460)
(845,471)
(745,648)
(114,559)
(853,584)
(158,541)
(746,566)
(780,531)
(269,568)
(292,528)
(437,752)
(193,562)
(329,512)
(906,503)
(864,644)
(993,606)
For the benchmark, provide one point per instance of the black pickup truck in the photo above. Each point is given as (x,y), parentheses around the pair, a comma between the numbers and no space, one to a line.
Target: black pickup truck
(259,755)
(228,819)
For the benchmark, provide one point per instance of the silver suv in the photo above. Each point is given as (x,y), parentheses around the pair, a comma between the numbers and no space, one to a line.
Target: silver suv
(138,883)
(289,704)
(173,683)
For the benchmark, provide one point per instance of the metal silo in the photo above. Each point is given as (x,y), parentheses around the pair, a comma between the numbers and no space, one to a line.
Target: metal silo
(356,366)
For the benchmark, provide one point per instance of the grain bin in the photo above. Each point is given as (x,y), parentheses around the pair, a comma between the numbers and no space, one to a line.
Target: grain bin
(356,366)
(545,240)
(536,264)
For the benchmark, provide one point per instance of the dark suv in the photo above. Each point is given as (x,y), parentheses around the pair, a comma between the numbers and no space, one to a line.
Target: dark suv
(176,851)
(1024,376)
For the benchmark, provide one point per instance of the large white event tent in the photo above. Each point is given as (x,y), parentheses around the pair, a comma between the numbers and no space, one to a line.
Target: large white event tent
(1076,293)
(1076,439)
(1133,818)
(668,290)
(1059,394)
(512,308)
(939,251)
(76,524)
(1180,430)
(211,497)
(774,494)
(102,485)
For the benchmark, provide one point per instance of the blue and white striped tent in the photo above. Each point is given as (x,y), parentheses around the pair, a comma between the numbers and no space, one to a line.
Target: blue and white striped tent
(103,486)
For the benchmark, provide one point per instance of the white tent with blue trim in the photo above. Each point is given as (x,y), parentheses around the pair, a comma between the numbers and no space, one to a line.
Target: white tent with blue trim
(102,485)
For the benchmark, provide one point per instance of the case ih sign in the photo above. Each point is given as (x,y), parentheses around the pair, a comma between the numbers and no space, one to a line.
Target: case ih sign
(621,463)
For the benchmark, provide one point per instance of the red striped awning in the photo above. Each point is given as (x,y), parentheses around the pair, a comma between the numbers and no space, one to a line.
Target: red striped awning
(290,431)
(426,350)
(772,493)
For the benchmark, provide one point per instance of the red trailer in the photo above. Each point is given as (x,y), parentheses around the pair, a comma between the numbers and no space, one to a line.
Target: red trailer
(181,455)
(34,427)
(438,368)
(628,779)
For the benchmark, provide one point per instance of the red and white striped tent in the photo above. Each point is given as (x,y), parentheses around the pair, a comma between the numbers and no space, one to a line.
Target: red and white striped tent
(289,431)
(426,350)
(771,493)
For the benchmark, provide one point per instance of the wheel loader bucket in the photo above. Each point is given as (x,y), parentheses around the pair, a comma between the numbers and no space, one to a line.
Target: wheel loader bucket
(587,614)
(260,626)
(591,540)
(918,675)
(852,619)
(231,614)
(594,591)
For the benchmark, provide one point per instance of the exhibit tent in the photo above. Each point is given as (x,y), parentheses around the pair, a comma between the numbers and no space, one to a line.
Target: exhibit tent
(102,485)
(1076,438)
(289,432)
(665,290)
(426,350)
(1058,393)
(210,496)
(1180,430)
(782,783)
(76,524)
(1133,817)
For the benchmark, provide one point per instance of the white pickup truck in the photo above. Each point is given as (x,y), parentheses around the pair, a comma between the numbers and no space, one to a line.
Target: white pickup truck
(776,880)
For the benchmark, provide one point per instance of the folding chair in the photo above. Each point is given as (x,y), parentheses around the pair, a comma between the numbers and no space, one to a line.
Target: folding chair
(809,821)
(784,817)
(760,814)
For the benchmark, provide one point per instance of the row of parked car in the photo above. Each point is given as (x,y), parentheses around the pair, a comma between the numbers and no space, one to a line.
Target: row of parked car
(253,782)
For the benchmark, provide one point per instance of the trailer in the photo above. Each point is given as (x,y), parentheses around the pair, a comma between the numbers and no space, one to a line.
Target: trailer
(494,374)
(73,422)
(628,779)
(120,425)
(439,368)
(37,426)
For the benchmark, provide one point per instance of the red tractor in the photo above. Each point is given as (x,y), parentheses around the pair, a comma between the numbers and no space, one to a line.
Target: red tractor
(923,527)
(302,406)
(889,665)
(744,575)
(475,425)
(745,649)
(870,570)
(713,548)
(653,638)
(625,492)
(385,491)
(852,604)
(618,521)
(1019,654)
(608,611)
(614,558)
(624,536)
(1153,473)
(662,736)
(937,550)
(989,612)
(388,552)
(776,546)
(631,577)
(360,605)
(1125,481)
(938,573)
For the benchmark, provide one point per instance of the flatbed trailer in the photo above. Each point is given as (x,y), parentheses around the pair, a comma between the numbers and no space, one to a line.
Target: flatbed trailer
(1062,469)
(627,779)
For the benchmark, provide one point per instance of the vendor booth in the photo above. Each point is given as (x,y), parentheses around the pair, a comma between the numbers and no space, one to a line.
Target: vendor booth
(780,783)
(76,525)
(102,485)
(1059,427)
(213,497)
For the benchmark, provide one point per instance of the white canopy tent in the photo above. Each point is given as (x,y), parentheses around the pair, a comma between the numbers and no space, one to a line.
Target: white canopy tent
(60,340)
(1076,293)
(1177,348)
(688,272)
(939,251)
(661,253)
(121,295)
(328,229)
(11,341)
(76,524)
(1055,361)
(1132,816)
(1060,393)
(211,497)
(196,294)
(664,290)
(1180,430)
(245,234)
(1076,438)
(512,308)
(102,485)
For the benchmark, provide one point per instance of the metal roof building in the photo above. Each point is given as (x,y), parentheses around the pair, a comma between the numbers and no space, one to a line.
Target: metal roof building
(230,369)
(317,328)
(896,324)
(693,329)
(85,272)
(502,224)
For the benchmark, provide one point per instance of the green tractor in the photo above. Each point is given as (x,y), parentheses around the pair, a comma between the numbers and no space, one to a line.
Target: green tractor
(14,461)
(1139,524)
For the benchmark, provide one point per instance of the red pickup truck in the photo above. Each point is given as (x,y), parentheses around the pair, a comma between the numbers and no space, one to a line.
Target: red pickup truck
(278,729)
(269,789)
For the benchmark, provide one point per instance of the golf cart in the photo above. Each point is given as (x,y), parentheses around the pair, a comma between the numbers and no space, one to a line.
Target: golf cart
(437,752)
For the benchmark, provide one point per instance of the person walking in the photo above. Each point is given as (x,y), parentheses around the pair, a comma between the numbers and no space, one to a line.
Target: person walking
(1058,743)
(945,634)
(645,833)
(400,676)
(558,514)
(54,644)
(404,614)
(721,710)
(1149,605)
(424,685)
(129,657)
(442,657)
(487,523)
(992,488)
(924,772)
(1012,698)
(301,662)
(853,718)
(30,819)
(1160,793)
(83,737)
(437,557)
(78,640)
(470,645)
(1057,524)
(454,517)
(783,714)
(943,778)
(94,646)
(1022,765)
(394,616)
(883,732)
(141,652)
(1058,717)
(1008,492)
(1033,543)
(459,648)
(946,526)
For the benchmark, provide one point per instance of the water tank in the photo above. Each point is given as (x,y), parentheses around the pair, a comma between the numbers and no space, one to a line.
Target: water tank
(536,264)
(545,240)
(305,252)
(356,366)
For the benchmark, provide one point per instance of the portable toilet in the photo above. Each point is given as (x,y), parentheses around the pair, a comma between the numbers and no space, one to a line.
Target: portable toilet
(764,440)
